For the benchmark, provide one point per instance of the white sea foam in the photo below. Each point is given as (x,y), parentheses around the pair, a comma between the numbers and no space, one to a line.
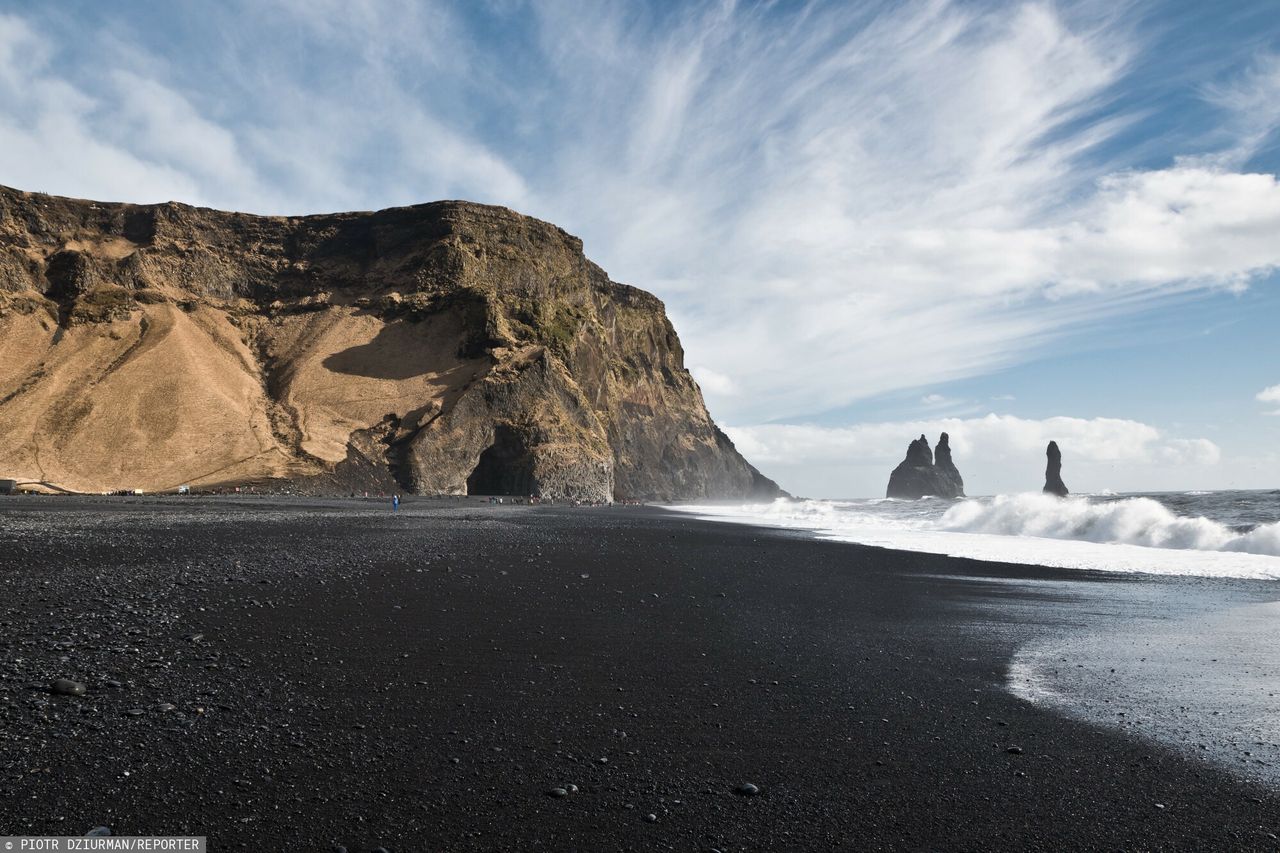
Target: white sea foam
(1133,521)
(1126,534)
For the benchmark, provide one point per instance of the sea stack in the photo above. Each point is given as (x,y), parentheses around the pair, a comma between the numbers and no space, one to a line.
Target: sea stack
(1053,484)
(947,471)
(918,475)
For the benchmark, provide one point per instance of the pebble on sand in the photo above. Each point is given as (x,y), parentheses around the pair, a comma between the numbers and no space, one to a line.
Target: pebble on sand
(746,789)
(558,793)
(67,687)
(98,832)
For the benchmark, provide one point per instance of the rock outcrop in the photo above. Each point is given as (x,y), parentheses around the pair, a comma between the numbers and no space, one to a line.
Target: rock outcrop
(948,473)
(445,348)
(1053,484)
(920,475)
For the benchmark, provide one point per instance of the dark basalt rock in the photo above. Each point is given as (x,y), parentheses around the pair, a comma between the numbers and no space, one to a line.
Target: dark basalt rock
(918,475)
(946,469)
(1053,484)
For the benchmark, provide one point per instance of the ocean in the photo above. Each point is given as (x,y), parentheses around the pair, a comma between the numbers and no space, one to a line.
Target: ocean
(1194,668)
(1212,534)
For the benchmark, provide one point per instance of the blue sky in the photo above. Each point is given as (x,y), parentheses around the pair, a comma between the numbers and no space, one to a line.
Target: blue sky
(1011,220)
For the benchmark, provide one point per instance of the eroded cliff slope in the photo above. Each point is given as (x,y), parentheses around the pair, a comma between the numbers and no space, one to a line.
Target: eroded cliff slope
(444,348)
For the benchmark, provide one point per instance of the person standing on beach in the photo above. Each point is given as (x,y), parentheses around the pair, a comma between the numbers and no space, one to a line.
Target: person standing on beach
(395,503)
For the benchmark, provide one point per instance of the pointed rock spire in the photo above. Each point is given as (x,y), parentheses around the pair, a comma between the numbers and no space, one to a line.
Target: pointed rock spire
(1053,484)
(946,469)
(918,475)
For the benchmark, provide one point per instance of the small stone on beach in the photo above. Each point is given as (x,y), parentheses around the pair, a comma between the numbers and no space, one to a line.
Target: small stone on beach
(67,687)
(746,789)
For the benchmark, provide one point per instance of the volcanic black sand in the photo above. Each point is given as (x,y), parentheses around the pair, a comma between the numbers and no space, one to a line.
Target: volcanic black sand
(281,674)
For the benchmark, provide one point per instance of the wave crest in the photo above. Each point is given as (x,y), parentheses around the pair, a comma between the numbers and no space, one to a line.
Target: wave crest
(1133,521)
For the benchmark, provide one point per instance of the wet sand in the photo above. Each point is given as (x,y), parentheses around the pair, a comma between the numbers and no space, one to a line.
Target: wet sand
(421,681)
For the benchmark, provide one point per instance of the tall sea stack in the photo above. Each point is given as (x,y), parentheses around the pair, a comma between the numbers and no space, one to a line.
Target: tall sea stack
(946,469)
(1053,484)
(918,475)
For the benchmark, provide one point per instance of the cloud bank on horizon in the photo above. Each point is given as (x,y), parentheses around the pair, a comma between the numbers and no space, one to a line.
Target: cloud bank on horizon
(997,454)
(838,202)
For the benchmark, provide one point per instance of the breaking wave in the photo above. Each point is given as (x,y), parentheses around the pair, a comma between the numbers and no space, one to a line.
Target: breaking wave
(1213,534)
(1131,521)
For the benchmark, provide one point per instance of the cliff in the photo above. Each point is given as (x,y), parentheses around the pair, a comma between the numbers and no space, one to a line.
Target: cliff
(920,474)
(445,348)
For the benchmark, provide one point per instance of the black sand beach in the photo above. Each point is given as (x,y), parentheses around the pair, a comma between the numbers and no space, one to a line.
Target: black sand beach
(293,674)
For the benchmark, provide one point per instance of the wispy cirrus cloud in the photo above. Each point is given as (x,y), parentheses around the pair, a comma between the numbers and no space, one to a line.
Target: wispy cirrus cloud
(896,199)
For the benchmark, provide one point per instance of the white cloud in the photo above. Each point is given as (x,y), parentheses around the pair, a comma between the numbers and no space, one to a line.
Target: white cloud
(339,124)
(940,404)
(1186,451)
(1270,395)
(990,437)
(996,453)
(155,122)
(50,136)
(713,382)
(1252,104)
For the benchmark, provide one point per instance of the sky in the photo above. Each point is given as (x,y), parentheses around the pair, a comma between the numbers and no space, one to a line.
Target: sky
(1013,221)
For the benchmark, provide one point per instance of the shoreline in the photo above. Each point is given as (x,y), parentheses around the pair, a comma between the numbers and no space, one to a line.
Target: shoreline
(1129,534)
(421,680)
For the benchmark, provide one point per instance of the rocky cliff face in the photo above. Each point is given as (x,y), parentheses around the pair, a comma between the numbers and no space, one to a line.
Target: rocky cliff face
(919,474)
(444,348)
(1053,484)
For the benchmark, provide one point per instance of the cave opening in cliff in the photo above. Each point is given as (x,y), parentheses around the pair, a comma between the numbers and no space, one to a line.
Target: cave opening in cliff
(504,468)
